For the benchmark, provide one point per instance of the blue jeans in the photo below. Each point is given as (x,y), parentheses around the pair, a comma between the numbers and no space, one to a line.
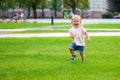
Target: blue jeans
(74,47)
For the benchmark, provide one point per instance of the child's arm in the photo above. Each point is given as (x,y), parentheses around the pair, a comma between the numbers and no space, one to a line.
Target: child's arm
(87,36)
(72,35)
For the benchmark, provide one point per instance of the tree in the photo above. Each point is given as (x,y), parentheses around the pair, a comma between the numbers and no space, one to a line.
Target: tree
(58,5)
(116,4)
(7,4)
(43,5)
(3,7)
(73,4)
(12,4)
(34,4)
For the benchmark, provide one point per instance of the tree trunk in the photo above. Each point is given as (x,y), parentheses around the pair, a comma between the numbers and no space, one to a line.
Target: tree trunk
(3,16)
(34,10)
(28,15)
(74,10)
(55,5)
(12,13)
(118,8)
(43,13)
(74,7)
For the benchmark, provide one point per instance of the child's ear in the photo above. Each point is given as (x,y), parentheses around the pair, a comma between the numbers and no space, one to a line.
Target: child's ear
(81,22)
(71,22)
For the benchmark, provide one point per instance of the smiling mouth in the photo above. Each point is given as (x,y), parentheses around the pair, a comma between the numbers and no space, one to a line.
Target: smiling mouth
(75,24)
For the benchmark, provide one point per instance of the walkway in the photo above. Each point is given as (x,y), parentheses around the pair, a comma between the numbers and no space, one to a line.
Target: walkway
(55,34)
(85,21)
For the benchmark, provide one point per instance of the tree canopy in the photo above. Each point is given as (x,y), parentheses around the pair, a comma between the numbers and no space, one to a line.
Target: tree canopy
(73,4)
(116,4)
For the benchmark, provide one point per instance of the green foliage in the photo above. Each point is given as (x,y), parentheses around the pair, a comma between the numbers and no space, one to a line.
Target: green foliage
(83,4)
(48,59)
(25,4)
(13,4)
(109,15)
(116,5)
(3,5)
(58,5)
(73,4)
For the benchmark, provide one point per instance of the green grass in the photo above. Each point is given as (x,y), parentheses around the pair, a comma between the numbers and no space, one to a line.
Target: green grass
(55,26)
(42,31)
(15,25)
(48,59)
(92,26)
(103,30)
(102,26)
(57,31)
(20,25)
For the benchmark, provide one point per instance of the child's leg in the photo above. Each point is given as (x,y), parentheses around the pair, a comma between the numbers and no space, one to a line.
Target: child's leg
(72,53)
(82,56)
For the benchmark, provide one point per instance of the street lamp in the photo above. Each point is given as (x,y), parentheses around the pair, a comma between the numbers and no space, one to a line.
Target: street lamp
(55,7)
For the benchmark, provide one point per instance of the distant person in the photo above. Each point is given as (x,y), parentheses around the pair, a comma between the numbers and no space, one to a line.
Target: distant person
(77,33)
(71,14)
(22,16)
(15,16)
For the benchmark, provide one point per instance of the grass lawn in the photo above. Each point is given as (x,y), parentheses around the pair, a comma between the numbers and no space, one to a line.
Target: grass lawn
(48,59)
(55,26)
(102,26)
(57,31)
(42,31)
(14,25)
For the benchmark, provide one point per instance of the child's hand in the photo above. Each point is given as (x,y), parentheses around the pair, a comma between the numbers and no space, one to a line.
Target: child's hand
(88,39)
(72,35)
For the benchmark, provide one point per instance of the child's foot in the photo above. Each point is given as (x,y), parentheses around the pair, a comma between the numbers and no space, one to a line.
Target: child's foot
(83,60)
(73,57)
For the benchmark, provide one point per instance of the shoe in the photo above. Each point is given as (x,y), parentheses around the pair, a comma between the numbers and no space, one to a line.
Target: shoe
(83,61)
(73,57)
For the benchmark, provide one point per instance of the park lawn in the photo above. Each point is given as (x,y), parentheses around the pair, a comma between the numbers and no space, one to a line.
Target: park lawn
(48,59)
(58,31)
(102,26)
(42,31)
(14,25)
(108,26)
(103,30)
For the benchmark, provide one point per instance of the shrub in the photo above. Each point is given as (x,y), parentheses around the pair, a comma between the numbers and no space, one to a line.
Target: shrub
(109,15)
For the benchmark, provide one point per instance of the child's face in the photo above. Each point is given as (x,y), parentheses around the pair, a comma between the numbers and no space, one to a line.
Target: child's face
(76,21)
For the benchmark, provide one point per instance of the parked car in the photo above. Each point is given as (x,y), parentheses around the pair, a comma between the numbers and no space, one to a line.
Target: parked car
(117,17)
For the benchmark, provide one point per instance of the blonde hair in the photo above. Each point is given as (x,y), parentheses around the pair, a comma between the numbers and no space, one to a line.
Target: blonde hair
(76,16)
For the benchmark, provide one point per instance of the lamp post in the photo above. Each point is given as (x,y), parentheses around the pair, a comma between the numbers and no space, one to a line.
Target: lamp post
(55,7)
(53,15)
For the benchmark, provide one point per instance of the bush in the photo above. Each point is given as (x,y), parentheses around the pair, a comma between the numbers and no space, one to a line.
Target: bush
(109,15)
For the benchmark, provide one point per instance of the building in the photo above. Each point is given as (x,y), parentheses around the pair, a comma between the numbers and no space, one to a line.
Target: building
(101,5)
(98,7)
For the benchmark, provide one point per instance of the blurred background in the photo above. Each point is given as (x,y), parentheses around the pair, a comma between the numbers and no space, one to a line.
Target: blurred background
(37,9)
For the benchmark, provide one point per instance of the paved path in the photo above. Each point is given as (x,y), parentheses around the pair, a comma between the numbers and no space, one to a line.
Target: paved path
(85,21)
(50,28)
(56,34)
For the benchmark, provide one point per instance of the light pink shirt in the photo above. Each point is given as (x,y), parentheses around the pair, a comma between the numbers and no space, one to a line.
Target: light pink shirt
(79,35)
